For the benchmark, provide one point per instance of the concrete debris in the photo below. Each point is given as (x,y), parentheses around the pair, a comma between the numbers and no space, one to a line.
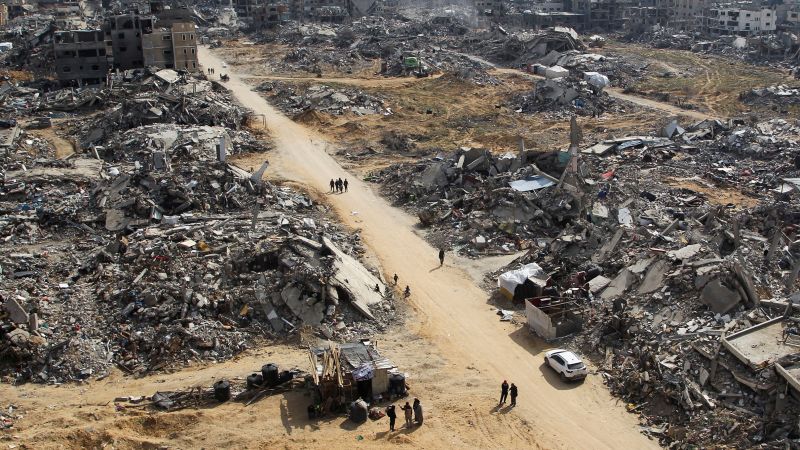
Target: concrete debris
(510,201)
(146,250)
(300,101)
(662,265)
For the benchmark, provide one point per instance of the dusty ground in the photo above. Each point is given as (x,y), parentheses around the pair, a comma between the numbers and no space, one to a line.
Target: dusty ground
(84,417)
(711,84)
(62,147)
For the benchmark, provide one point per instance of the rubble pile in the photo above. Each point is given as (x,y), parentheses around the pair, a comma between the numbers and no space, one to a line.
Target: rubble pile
(774,96)
(566,97)
(149,250)
(480,203)
(662,37)
(400,46)
(522,48)
(674,281)
(166,97)
(779,47)
(295,99)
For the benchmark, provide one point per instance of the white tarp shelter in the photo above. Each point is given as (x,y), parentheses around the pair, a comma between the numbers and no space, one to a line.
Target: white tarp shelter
(532,273)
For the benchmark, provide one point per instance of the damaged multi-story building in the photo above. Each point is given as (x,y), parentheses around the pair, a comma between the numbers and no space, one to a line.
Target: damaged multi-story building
(166,40)
(601,14)
(647,13)
(173,47)
(687,14)
(80,56)
(739,20)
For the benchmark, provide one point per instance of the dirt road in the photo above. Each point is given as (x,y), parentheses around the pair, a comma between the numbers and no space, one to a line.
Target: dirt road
(452,311)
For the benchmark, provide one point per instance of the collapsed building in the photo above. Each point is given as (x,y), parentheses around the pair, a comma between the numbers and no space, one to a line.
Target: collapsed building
(146,249)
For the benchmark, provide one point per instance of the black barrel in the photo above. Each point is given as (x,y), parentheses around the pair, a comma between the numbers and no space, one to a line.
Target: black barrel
(284,377)
(255,381)
(270,374)
(222,390)
(397,384)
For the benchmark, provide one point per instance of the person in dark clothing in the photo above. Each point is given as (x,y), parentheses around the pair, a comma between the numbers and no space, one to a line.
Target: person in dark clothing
(395,279)
(407,409)
(513,392)
(418,417)
(345,184)
(390,412)
(407,292)
(333,185)
(441,256)
(503,392)
(341,185)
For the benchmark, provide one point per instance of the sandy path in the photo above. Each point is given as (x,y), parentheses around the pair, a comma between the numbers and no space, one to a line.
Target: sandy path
(452,310)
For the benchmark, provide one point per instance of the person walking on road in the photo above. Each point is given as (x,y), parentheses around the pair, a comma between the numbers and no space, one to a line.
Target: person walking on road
(441,257)
(503,392)
(418,412)
(395,279)
(392,414)
(345,184)
(333,185)
(407,409)
(513,391)
(407,292)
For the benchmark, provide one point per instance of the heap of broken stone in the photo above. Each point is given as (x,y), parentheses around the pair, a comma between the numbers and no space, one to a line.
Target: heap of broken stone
(149,250)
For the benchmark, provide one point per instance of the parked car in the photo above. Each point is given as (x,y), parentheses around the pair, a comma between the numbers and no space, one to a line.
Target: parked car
(566,364)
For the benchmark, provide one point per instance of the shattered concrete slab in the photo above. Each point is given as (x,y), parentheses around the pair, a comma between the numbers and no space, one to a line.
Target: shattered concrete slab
(363,289)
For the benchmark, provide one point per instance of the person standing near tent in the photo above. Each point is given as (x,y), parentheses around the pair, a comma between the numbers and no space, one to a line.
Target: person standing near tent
(390,412)
(407,409)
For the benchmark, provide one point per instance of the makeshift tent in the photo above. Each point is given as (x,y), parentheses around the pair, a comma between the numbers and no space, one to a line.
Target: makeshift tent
(525,282)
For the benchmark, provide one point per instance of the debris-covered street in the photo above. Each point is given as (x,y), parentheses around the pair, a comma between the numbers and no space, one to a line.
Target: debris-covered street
(262,226)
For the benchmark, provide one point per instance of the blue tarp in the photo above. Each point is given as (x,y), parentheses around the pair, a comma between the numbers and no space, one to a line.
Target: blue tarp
(365,372)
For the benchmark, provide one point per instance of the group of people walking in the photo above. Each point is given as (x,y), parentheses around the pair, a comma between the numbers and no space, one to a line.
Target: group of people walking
(412,414)
(210,70)
(505,390)
(338,185)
